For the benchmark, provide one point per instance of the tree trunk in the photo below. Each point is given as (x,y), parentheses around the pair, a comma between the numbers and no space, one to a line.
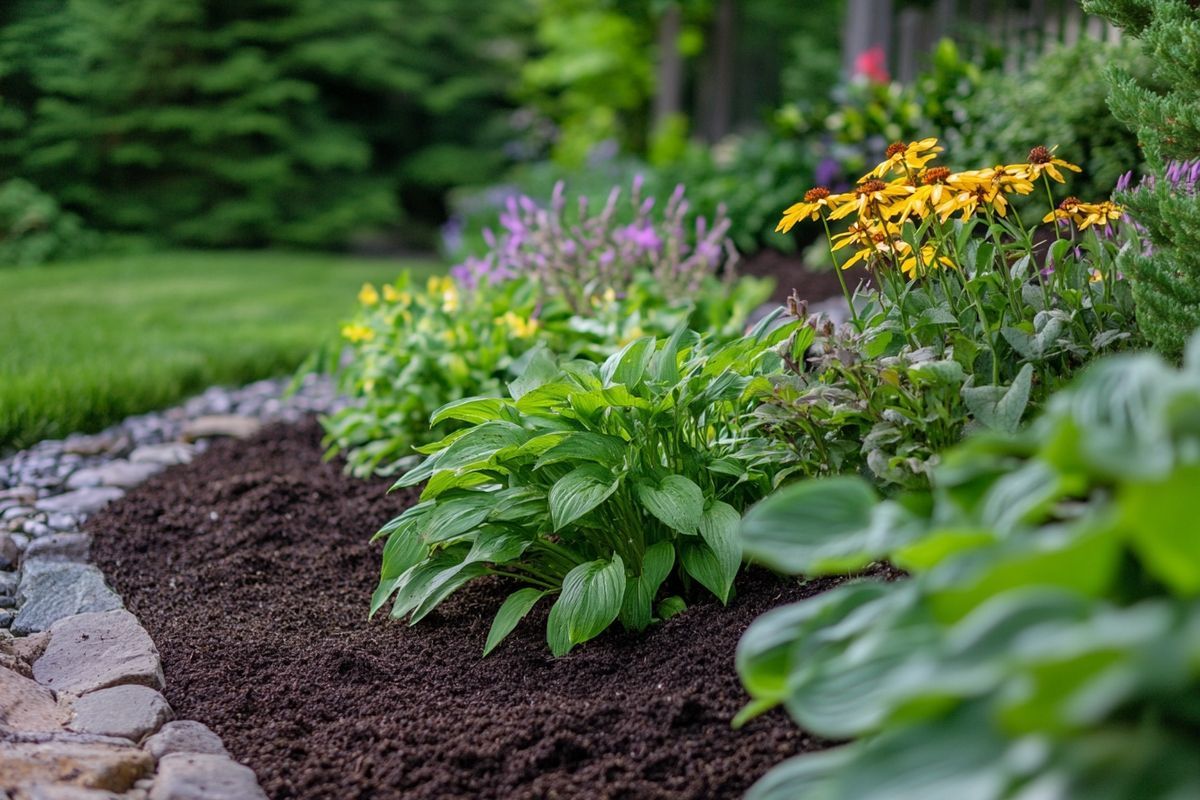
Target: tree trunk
(668,100)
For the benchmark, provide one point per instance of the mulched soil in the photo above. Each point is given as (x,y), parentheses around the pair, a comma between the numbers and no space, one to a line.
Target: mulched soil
(791,273)
(252,570)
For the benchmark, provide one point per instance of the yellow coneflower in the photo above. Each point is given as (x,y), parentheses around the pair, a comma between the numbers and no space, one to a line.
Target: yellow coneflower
(1042,160)
(905,157)
(872,239)
(1009,179)
(357,332)
(932,192)
(929,259)
(874,198)
(367,295)
(810,207)
(1068,209)
(1101,213)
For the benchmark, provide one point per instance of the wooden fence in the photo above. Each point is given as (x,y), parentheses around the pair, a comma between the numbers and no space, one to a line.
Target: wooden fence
(1022,30)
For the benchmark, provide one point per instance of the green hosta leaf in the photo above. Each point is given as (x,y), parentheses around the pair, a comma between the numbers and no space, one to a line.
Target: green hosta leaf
(442,586)
(456,514)
(520,503)
(498,545)
(639,592)
(1153,513)
(806,777)
(813,527)
(470,409)
(664,368)
(414,584)
(546,397)
(627,365)
(675,501)
(1001,408)
(579,492)
(715,563)
(477,445)
(514,609)
(540,368)
(444,481)
(590,601)
(601,448)
(671,606)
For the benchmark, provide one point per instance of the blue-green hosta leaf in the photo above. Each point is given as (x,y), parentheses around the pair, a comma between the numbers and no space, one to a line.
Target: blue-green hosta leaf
(514,609)
(470,409)
(408,518)
(600,448)
(640,591)
(498,545)
(590,601)
(675,501)
(628,365)
(998,407)
(816,527)
(578,492)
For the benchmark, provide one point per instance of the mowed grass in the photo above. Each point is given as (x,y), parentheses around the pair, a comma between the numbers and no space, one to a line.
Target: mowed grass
(84,344)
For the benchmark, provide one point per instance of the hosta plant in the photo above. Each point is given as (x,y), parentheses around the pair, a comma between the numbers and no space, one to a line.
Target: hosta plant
(582,285)
(600,488)
(1047,643)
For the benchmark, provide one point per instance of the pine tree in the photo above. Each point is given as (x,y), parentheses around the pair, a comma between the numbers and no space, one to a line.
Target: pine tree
(247,122)
(1166,117)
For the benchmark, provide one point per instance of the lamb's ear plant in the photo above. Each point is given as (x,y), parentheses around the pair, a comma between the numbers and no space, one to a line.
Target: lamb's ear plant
(600,488)
(1048,641)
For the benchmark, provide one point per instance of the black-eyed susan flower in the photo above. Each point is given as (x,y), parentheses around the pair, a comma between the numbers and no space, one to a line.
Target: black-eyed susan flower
(811,206)
(1102,213)
(1042,160)
(874,199)
(914,264)
(872,239)
(905,158)
(1068,210)
(932,192)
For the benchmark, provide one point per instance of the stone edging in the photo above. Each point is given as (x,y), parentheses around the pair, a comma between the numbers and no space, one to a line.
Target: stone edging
(82,716)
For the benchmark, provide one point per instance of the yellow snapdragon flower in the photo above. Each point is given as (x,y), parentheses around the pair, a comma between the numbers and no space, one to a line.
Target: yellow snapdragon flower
(367,295)
(520,327)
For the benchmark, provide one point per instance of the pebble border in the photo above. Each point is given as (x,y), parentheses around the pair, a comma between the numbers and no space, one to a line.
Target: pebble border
(82,716)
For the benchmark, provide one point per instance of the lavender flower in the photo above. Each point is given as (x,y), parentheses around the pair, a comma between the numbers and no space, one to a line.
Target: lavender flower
(584,257)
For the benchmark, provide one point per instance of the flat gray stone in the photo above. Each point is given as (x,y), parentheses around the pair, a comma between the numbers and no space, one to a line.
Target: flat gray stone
(215,425)
(9,552)
(23,495)
(184,736)
(128,712)
(122,474)
(57,590)
(58,791)
(87,652)
(81,501)
(9,581)
(85,762)
(94,445)
(168,454)
(60,547)
(204,777)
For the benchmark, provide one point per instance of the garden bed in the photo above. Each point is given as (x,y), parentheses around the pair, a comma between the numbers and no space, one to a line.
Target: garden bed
(251,570)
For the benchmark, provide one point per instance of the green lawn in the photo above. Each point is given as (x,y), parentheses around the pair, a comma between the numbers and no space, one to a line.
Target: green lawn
(84,344)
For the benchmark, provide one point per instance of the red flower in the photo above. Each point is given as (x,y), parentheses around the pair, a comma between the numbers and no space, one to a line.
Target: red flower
(873,65)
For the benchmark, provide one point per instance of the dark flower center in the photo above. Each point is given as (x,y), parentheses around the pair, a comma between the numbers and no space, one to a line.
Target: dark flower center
(895,149)
(872,186)
(1040,155)
(813,195)
(936,175)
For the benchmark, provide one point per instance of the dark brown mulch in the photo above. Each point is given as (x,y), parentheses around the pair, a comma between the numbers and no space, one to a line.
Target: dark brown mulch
(790,273)
(251,570)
